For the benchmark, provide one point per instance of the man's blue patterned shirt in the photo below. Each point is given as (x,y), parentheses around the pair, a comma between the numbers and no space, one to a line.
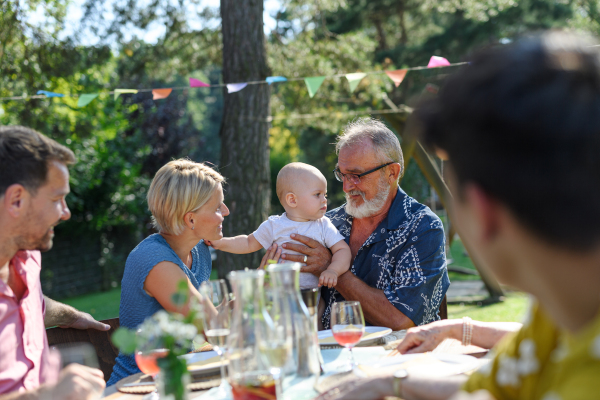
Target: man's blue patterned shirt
(405,257)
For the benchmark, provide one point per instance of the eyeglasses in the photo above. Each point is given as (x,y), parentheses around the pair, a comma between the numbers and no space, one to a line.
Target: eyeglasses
(354,178)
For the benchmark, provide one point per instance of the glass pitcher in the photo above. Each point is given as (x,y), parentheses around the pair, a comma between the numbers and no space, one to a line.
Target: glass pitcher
(290,312)
(249,372)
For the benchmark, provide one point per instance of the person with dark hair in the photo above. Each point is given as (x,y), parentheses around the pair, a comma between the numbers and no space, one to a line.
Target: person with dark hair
(520,127)
(34,181)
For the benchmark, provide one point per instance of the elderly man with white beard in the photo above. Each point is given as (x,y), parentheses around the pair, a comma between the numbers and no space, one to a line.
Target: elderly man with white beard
(398,270)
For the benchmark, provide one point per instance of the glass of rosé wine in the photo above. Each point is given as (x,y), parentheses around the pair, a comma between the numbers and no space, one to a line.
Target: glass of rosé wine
(146,355)
(347,326)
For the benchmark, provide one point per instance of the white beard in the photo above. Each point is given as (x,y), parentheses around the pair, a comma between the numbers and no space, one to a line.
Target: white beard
(369,207)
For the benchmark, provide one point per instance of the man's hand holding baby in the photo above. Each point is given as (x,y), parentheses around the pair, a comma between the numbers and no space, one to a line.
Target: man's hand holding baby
(318,257)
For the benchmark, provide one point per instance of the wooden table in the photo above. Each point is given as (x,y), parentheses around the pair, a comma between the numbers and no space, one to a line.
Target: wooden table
(448,346)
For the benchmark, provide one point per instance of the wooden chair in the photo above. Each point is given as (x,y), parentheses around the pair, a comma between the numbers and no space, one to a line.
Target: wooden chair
(444,309)
(100,340)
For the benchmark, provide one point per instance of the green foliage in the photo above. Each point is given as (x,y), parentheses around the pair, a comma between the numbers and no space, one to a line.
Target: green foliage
(119,144)
(125,339)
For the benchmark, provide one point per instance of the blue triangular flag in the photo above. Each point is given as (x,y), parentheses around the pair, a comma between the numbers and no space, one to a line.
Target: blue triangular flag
(50,94)
(271,79)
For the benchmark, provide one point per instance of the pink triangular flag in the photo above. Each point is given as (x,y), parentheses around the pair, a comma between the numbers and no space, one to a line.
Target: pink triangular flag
(158,94)
(437,62)
(397,76)
(197,83)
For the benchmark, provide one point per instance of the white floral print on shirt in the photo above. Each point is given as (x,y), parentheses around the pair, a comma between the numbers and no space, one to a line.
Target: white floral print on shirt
(511,369)
(595,350)
(551,396)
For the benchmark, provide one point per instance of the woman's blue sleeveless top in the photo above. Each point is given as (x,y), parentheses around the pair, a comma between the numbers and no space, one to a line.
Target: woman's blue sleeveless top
(136,304)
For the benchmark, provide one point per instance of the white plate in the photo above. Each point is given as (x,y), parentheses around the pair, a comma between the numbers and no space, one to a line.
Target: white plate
(206,362)
(371,333)
(451,364)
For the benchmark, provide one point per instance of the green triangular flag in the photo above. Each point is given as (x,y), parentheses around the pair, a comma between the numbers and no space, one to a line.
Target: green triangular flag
(313,84)
(86,99)
(354,80)
(119,91)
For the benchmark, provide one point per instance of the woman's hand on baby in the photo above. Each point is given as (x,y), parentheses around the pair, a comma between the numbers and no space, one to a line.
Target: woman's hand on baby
(273,253)
(328,278)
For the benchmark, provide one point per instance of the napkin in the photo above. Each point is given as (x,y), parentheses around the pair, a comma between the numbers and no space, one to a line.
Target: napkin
(205,364)
(426,364)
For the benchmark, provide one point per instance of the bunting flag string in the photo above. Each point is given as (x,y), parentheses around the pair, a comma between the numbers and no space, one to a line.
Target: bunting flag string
(312,83)
(435,62)
(86,99)
(50,94)
(161,93)
(119,91)
(273,79)
(236,87)
(198,83)
(354,80)
(397,76)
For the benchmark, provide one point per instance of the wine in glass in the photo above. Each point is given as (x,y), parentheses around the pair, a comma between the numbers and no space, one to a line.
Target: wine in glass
(147,353)
(217,318)
(347,325)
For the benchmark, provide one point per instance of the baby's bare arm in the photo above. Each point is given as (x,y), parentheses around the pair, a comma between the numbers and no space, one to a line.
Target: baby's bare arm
(242,244)
(342,257)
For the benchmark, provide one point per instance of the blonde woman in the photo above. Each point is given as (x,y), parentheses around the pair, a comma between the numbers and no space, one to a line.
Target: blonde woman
(186,202)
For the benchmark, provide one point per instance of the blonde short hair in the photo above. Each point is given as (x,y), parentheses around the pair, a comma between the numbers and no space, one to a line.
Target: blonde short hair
(179,187)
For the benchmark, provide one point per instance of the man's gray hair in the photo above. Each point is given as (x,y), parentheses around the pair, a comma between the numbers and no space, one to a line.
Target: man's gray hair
(385,142)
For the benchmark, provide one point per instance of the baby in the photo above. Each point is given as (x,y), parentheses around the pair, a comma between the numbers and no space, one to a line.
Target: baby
(302,191)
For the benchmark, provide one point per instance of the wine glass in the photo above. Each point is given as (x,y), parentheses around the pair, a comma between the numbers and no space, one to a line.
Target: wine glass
(217,318)
(149,349)
(347,325)
(147,353)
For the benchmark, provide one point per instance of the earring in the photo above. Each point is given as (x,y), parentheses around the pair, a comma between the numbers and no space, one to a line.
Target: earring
(192,228)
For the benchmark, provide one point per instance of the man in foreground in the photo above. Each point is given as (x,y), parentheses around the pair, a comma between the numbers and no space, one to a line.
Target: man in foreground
(520,126)
(34,181)
(398,268)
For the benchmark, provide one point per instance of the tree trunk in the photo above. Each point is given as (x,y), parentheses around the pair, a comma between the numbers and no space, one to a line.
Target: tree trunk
(244,130)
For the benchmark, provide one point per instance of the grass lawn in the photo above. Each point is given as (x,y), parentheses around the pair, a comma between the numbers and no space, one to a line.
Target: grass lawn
(512,309)
(102,305)
(460,258)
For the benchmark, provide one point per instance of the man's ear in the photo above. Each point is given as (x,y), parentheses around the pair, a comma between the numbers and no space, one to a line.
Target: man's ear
(486,210)
(290,199)
(16,199)
(394,172)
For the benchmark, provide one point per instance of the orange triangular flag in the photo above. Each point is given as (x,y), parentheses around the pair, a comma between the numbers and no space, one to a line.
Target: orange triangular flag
(160,93)
(397,76)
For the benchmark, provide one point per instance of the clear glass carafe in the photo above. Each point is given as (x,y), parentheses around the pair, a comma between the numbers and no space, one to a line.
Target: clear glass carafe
(248,369)
(289,311)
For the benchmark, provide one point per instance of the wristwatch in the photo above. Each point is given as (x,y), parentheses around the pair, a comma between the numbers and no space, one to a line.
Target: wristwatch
(399,377)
